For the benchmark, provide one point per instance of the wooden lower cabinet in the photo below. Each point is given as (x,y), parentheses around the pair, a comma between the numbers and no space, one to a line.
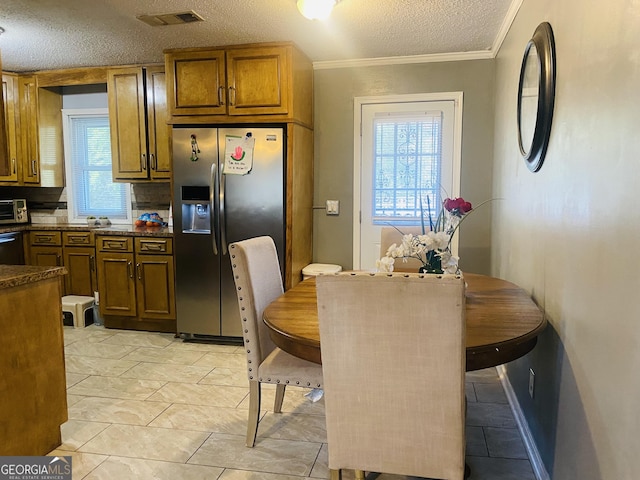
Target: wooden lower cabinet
(45,250)
(136,282)
(33,404)
(72,249)
(79,256)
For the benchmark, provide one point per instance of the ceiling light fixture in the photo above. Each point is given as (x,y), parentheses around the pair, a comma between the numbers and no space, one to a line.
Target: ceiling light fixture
(316,9)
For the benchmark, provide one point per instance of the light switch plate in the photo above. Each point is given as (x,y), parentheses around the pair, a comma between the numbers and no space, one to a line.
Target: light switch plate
(333,207)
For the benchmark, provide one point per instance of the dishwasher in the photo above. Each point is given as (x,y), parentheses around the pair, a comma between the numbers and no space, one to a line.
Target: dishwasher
(11,251)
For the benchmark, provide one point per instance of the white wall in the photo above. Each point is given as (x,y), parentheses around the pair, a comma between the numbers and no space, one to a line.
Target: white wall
(569,234)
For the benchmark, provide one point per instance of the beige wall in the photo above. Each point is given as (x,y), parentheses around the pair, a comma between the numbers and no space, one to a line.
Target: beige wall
(334,91)
(569,234)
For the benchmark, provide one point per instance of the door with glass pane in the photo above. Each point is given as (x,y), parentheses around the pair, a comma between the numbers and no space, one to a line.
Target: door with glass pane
(409,162)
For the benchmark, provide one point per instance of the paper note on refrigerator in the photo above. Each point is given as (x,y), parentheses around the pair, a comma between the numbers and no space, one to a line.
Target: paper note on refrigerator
(238,155)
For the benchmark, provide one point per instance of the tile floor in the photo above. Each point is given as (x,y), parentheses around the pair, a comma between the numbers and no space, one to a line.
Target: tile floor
(148,406)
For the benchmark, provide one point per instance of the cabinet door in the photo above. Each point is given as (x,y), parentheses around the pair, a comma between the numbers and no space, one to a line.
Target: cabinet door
(10,97)
(81,264)
(125,90)
(258,81)
(159,131)
(28,130)
(196,82)
(155,286)
(46,256)
(116,284)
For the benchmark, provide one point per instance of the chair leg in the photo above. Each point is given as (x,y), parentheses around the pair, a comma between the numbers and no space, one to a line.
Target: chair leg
(254,412)
(359,474)
(336,474)
(277,405)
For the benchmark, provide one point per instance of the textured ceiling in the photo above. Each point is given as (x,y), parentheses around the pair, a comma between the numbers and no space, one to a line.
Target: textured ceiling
(50,34)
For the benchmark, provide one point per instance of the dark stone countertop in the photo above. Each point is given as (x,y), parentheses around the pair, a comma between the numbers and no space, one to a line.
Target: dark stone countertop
(15,275)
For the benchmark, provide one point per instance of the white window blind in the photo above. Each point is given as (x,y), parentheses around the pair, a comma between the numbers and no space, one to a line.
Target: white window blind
(407,163)
(89,178)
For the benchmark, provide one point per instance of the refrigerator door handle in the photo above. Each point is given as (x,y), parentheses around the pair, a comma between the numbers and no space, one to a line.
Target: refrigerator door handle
(223,223)
(212,206)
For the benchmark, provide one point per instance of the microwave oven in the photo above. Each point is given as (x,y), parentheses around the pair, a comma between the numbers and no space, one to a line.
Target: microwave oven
(13,211)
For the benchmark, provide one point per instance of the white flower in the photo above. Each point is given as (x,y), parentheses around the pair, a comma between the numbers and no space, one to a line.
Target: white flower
(385,264)
(442,240)
(449,263)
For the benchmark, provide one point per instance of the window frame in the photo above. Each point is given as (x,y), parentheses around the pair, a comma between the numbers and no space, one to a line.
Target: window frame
(71,188)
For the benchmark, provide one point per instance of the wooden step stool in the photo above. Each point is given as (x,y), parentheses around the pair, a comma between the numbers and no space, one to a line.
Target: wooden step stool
(77,306)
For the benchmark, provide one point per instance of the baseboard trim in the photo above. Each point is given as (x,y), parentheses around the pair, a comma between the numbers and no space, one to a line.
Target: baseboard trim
(529,444)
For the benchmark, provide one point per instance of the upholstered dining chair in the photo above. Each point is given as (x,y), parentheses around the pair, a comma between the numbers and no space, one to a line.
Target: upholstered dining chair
(256,272)
(393,361)
(391,235)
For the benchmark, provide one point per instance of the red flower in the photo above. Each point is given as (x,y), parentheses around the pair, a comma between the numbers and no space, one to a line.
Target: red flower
(457,206)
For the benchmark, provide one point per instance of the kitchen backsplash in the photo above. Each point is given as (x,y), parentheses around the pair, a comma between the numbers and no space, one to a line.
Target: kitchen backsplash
(49,205)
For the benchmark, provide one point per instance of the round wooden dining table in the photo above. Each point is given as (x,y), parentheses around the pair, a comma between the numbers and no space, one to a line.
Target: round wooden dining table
(502,321)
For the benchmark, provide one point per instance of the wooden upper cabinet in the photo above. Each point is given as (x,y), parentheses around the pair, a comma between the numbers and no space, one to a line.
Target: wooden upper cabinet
(258,81)
(196,82)
(246,83)
(28,95)
(140,139)
(126,95)
(5,160)
(10,100)
(158,130)
(33,118)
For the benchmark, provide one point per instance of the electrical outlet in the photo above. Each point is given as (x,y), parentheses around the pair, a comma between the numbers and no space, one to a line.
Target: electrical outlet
(532,382)
(333,207)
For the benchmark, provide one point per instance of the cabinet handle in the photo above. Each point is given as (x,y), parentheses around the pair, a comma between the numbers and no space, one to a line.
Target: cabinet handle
(220,95)
(129,269)
(34,172)
(143,161)
(114,245)
(153,247)
(42,239)
(58,260)
(13,162)
(92,263)
(232,95)
(154,163)
(139,269)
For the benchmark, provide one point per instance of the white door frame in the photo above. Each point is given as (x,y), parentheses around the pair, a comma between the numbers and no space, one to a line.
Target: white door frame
(457,97)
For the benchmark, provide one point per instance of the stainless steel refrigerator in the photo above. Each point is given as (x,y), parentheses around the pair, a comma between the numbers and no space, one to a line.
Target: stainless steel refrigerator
(228,185)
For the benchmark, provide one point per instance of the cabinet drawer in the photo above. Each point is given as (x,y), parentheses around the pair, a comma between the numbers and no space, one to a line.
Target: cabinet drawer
(46,238)
(154,245)
(115,244)
(81,239)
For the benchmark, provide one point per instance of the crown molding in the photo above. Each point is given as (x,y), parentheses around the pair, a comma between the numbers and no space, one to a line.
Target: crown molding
(372,62)
(506,25)
(510,16)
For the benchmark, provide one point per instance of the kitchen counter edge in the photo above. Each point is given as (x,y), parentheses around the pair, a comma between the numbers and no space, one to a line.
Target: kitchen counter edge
(16,275)
(129,230)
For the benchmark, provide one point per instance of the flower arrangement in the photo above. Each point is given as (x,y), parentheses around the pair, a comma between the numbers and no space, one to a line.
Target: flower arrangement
(433,247)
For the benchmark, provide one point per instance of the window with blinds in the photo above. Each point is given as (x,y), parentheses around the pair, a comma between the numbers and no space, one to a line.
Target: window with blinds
(407,165)
(90,189)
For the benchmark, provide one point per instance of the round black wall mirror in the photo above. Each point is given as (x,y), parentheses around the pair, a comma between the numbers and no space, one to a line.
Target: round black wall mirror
(536,95)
